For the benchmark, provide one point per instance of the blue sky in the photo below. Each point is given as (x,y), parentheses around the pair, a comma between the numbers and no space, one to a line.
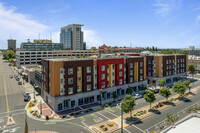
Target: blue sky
(141,23)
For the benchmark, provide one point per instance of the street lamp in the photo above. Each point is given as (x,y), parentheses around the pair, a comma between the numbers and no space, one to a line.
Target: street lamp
(100,90)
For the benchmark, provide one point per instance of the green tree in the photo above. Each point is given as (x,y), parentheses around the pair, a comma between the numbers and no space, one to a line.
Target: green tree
(187,84)
(83,56)
(9,54)
(128,104)
(129,90)
(179,88)
(191,68)
(149,97)
(114,95)
(182,52)
(10,60)
(162,82)
(167,51)
(165,93)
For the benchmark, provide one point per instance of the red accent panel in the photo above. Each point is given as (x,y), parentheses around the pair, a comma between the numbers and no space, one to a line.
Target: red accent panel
(116,61)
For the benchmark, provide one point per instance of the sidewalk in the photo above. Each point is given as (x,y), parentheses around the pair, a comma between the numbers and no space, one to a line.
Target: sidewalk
(36,107)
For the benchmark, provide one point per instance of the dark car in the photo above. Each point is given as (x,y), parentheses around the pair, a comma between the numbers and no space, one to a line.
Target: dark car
(20,83)
(27,98)
(156,91)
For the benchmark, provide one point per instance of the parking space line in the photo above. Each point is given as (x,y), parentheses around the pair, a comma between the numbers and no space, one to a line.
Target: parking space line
(112,113)
(104,116)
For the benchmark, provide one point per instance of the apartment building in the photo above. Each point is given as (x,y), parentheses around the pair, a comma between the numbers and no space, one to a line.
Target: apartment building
(75,84)
(35,57)
(166,66)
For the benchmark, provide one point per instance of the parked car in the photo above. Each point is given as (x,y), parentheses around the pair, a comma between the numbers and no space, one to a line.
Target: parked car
(26,94)
(11,76)
(137,96)
(17,79)
(20,83)
(156,91)
(27,98)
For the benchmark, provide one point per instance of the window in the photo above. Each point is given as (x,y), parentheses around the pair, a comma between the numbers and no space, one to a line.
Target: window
(60,106)
(70,71)
(79,88)
(78,69)
(131,72)
(88,78)
(72,103)
(65,104)
(120,74)
(88,69)
(141,78)
(102,76)
(131,65)
(169,66)
(61,71)
(103,85)
(79,79)
(89,87)
(120,81)
(61,81)
(80,102)
(141,71)
(167,73)
(131,80)
(149,61)
(169,61)
(103,68)
(166,61)
(141,64)
(70,90)
(70,81)
(120,66)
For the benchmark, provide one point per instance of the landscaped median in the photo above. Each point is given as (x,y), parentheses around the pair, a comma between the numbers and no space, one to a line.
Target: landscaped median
(142,113)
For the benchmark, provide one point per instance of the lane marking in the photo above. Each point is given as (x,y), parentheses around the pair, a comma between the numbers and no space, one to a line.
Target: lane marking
(12,111)
(6,94)
(104,116)
(112,113)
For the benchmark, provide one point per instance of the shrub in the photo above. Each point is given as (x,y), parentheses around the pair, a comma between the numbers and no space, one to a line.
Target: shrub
(35,101)
(135,115)
(106,105)
(145,111)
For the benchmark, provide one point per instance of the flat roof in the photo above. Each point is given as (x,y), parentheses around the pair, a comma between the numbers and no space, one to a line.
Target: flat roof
(191,125)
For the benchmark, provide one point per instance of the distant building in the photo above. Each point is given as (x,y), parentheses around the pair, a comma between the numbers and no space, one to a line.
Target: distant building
(43,41)
(41,45)
(35,57)
(104,49)
(84,45)
(71,37)
(194,60)
(11,44)
(193,51)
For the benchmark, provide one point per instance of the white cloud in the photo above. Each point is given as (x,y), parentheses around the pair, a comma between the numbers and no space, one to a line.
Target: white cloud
(198,19)
(18,26)
(165,7)
(91,38)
